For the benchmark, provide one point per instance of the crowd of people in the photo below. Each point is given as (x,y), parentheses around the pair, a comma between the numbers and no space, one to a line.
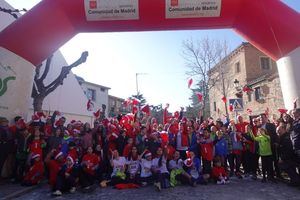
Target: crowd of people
(128,152)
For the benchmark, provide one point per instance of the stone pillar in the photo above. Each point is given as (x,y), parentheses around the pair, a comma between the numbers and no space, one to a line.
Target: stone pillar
(16,78)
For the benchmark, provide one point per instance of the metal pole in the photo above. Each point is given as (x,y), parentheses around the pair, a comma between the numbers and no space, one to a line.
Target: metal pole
(137,84)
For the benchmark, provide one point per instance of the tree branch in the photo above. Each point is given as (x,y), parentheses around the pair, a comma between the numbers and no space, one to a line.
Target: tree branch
(64,72)
(47,67)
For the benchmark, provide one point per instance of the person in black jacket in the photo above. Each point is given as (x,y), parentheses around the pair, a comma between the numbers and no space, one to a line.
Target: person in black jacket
(295,133)
(287,157)
(271,130)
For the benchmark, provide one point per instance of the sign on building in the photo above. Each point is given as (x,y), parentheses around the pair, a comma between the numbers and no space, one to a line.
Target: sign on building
(193,8)
(106,10)
(237,104)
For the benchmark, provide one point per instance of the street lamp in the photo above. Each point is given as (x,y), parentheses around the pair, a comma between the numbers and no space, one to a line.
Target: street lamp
(237,85)
(136,81)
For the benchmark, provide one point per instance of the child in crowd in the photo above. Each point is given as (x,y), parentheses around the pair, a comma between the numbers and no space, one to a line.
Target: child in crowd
(218,172)
(159,169)
(207,151)
(178,175)
(193,168)
(133,165)
(146,164)
(66,179)
(35,173)
(119,168)
(89,165)
(235,157)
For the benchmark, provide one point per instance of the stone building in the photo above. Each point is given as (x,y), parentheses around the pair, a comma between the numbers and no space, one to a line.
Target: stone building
(98,94)
(116,106)
(248,77)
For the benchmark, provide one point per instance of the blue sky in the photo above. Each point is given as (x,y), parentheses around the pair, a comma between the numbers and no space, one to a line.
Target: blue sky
(115,58)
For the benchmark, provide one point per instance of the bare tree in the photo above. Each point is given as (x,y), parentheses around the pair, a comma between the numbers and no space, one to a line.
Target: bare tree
(40,91)
(201,57)
(12,12)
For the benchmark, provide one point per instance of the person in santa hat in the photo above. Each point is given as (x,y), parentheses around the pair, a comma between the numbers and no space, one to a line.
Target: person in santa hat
(66,178)
(218,172)
(160,171)
(54,161)
(35,173)
(60,123)
(36,142)
(192,166)
(89,165)
(178,175)
(146,163)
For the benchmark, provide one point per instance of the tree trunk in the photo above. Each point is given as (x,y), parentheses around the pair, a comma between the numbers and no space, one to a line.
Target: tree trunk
(38,103)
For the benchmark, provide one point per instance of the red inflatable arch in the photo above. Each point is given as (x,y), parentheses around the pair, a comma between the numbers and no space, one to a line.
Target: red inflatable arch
(269,25)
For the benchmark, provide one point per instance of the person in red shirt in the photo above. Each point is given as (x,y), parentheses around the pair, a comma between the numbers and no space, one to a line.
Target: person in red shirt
(218,172)
(207,151)
(37,144)
(35,173)
(89,165)
(54,161)
(128,147)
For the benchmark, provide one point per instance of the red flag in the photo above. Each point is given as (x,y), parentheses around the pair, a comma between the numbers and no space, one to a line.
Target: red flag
(230,107)
(224,99)
(282,110)
(97,114)
(190,83)
(146,109)
(135,101)
(90,105)
(247,89)
(200,96)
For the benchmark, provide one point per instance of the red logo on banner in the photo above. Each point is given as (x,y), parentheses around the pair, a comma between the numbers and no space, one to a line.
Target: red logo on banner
(93,4)
(174,2)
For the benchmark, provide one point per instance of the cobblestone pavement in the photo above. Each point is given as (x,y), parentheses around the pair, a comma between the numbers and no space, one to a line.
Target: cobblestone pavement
(236,190)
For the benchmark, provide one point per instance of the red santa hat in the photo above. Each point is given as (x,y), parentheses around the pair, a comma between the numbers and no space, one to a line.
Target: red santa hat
(71,159)
(35,156)
(58,155)
(148,153)
(188,162)
(282,110)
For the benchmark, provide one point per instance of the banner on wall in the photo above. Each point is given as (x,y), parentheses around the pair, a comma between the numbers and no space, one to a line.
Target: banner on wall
(16,78)
(193,8)
(106,10)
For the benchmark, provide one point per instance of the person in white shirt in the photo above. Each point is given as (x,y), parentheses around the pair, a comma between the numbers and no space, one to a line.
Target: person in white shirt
(178,175)
(146,164)
(133,165)
(159,169)
(119,167)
